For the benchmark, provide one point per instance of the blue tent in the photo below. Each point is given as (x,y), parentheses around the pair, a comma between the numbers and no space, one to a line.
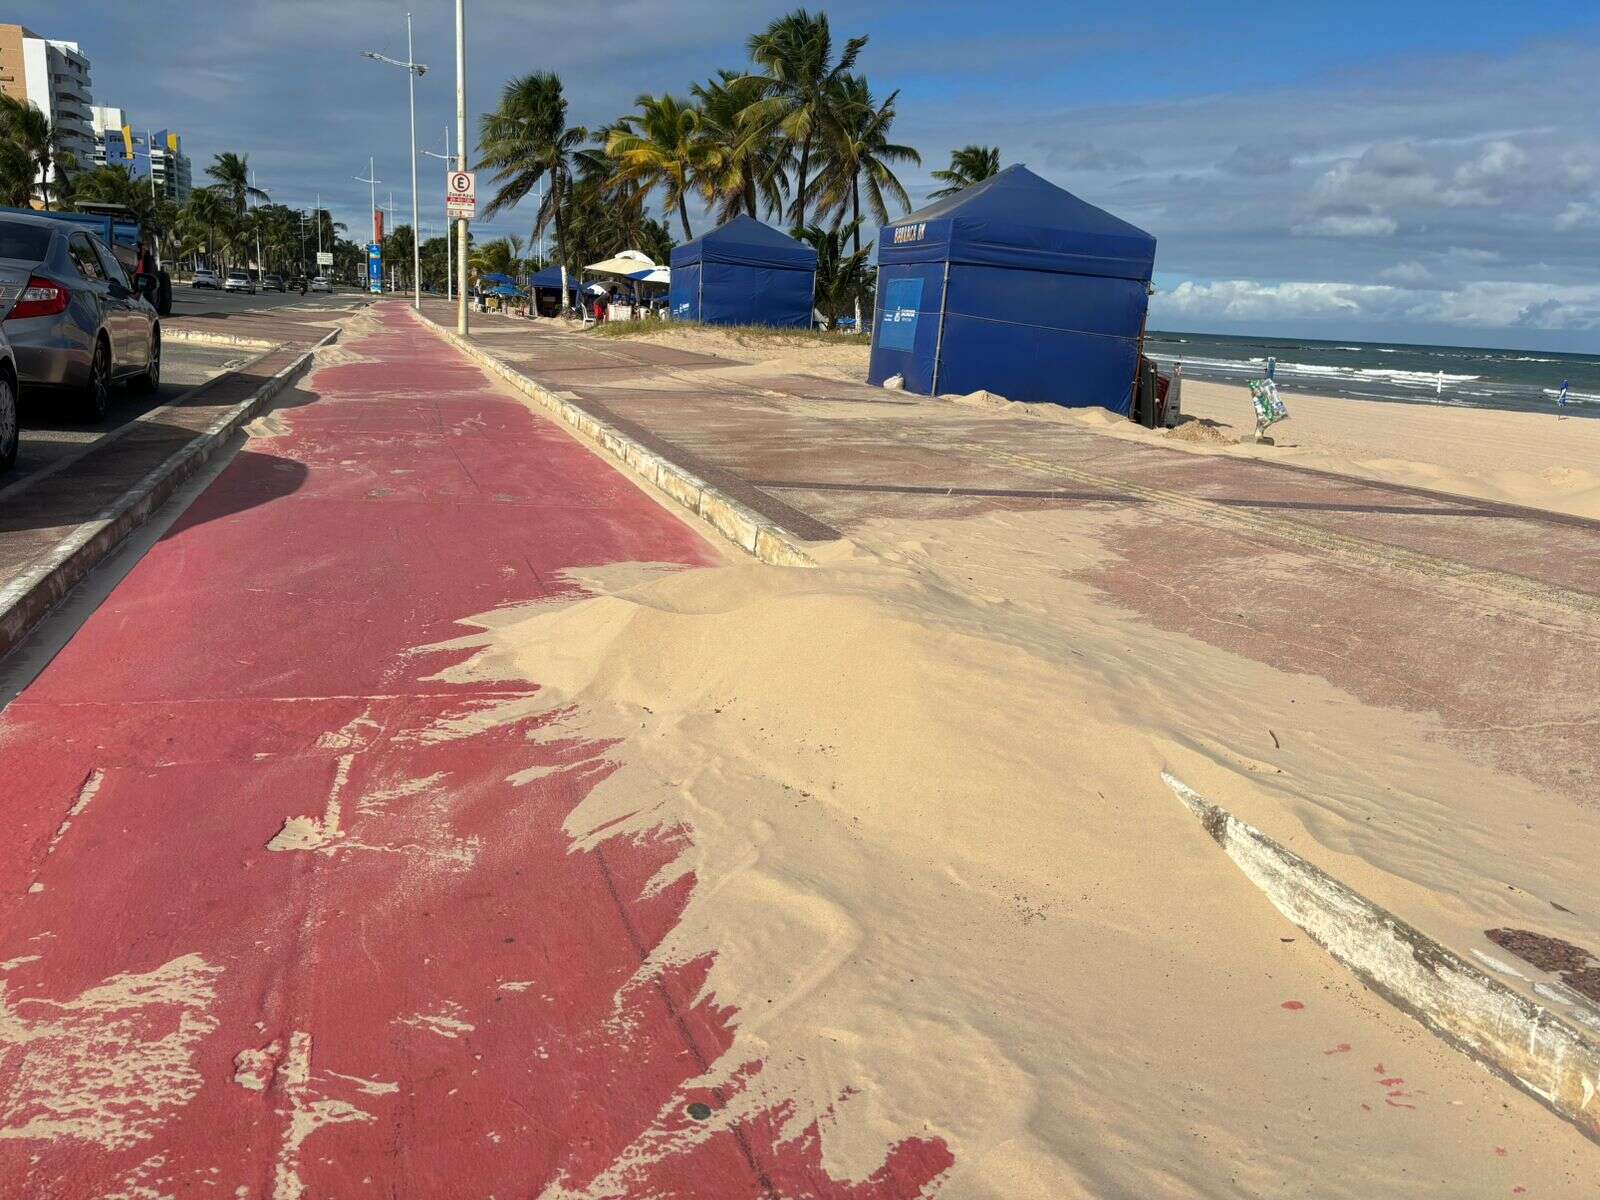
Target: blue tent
(1015,286)
(744,273)
(550,278)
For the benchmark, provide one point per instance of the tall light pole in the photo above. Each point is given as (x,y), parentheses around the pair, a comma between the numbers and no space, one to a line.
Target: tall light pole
(461,149)
(261,267)
(412,70)
(449,256)
(372,181)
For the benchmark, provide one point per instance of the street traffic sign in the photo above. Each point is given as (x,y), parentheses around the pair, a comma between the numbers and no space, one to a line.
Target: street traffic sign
(324,258)
(461,195)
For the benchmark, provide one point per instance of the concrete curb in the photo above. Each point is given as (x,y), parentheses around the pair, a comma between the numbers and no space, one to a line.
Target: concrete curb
(32,594)
(203,338)
(1517,1039)
(739,524)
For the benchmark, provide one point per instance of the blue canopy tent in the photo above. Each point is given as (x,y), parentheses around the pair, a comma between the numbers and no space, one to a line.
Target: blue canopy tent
(1016,286)
(550,278)
(744,273)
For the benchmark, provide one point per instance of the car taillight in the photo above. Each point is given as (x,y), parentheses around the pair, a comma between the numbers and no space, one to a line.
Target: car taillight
(41,298)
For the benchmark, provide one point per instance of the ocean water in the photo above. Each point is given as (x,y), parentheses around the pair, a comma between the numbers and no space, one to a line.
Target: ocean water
(1456,376)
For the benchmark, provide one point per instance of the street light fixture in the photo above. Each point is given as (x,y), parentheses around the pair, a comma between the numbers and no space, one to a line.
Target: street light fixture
(449,258)
(412,69)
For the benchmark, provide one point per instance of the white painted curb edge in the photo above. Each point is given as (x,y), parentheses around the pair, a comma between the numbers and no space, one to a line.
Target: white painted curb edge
(749,530)
(1521,1041)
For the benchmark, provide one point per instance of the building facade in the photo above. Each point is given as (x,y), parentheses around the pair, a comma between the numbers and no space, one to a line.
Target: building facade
(142,152)
(54,76)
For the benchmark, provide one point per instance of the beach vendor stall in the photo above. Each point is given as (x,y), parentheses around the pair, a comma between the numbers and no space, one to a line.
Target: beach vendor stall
(744,273)
(1017,287)
(635,275)
(545,288)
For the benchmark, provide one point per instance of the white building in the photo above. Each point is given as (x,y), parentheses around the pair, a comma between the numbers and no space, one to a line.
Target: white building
(117,141)
(54,75)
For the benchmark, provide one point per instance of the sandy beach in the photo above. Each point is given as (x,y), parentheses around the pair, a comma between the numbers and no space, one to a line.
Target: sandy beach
(1532,459)
(947,889)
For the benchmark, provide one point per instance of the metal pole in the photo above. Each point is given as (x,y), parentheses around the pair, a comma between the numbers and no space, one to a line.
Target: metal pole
(416,227)
(938,345)
(449,246)
(461,149)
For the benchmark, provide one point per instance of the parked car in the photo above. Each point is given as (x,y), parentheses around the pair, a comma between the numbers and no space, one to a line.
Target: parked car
(8,406)
(204,277)
(239,281)
(319,284)
(272,283)
(74,319)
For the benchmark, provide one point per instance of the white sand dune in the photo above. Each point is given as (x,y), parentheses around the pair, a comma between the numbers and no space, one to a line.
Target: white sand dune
(950,896)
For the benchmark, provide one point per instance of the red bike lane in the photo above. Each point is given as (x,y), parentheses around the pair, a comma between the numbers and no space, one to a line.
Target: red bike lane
(274,920)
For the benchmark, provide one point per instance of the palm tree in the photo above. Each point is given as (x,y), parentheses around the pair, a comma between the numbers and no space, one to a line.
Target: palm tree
(968,165)
(206,212)
(800,86)
(842,274)
(232,173)
(744,163)
(856,152)
(526,140)
(659,146)
(23,125)
(16,174)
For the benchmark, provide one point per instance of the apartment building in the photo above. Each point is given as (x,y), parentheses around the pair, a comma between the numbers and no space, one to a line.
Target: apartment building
(54,75)
(142,151)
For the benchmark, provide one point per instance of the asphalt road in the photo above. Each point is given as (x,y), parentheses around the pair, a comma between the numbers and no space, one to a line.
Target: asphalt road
(51,430)
(194,302)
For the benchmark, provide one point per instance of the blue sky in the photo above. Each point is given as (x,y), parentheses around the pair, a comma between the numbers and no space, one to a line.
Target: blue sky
(1405,171)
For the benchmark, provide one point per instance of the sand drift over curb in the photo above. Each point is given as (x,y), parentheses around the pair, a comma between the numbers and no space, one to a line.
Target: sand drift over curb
(1520,1040)
(945,896)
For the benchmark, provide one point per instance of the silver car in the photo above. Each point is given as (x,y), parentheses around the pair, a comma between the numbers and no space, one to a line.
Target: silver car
(73,318)
(8,406)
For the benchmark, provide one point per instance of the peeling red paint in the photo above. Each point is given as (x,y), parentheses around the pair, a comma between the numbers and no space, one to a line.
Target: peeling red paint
(444,996)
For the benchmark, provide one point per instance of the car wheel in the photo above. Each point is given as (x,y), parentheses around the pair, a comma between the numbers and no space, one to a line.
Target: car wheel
(9,435)
(97,394)
(151,379)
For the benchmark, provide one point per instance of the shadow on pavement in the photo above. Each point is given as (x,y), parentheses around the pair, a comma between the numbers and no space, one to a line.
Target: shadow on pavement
(43,512)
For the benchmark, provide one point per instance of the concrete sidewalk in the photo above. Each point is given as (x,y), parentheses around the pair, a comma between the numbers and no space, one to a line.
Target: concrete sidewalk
(1485,614)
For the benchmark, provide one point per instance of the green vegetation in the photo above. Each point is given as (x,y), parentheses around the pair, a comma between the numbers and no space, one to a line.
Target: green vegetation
(796,138)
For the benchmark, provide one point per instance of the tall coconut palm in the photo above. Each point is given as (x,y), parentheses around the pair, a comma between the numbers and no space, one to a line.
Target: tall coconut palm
(525,140)
(857,153)
(746,164)
(207,214)
(16,174)
(659,146)
(801,85)
(968,165)
(24,126)
(842,274)
(232,173)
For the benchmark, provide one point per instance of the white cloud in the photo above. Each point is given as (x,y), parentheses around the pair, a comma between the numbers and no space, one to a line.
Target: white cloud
(1408,273)
(1346,224)
(1486,304)
(1577,215)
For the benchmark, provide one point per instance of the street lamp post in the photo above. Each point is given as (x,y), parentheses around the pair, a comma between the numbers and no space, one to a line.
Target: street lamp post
(461,150)
(449,258)
(412,70)
(372,181)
